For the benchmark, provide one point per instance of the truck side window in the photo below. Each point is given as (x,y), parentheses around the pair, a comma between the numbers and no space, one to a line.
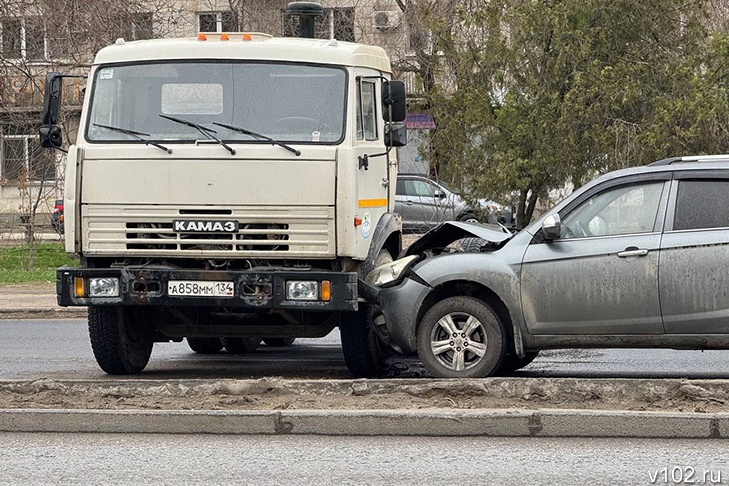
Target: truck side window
(702,204)
(366,111)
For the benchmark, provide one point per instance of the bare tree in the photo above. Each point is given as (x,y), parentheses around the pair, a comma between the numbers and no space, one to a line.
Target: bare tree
(39,36)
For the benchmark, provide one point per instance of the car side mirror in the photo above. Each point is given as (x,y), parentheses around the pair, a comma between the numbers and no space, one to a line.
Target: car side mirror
(393,101)
(438,193)
(552,227)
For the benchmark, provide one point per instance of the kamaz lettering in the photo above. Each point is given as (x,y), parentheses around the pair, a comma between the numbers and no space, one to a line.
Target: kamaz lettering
(196,226)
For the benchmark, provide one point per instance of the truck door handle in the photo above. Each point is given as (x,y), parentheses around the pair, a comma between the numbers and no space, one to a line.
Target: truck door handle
(632,251)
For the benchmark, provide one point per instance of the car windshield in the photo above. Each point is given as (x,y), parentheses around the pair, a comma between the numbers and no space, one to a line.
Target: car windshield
(286,102)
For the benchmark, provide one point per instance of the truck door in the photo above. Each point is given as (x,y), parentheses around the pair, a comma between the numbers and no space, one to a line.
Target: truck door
(372,177)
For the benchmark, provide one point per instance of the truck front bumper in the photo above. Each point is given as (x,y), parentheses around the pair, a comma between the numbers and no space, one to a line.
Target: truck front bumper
(262,289)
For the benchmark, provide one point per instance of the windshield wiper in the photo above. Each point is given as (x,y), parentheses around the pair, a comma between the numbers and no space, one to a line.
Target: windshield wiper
(259,136)
(207,132)
(137,135)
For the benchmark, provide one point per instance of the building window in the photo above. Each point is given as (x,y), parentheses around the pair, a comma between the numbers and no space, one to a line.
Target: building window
(26,38)
(340,19)
(217,22)
(23,159)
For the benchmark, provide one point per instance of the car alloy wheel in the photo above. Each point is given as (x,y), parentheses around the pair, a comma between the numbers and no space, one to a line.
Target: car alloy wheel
(461,337)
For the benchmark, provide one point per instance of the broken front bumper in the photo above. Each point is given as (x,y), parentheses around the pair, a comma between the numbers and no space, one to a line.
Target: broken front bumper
(253,289)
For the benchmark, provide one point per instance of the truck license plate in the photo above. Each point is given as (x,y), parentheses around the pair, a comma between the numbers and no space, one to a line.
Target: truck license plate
(200,288)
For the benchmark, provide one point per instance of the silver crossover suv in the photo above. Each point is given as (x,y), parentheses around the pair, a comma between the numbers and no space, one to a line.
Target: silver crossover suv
(637,258)
(424,203)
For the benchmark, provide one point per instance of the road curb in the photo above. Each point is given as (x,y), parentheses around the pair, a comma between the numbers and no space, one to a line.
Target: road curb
(465,423)
(43,313)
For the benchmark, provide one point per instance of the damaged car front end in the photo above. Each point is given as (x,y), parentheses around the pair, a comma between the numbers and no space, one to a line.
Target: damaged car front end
(434,269)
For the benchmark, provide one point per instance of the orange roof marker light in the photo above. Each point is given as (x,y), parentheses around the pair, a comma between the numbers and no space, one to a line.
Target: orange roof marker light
(202,37)
(224,37)
(247,37)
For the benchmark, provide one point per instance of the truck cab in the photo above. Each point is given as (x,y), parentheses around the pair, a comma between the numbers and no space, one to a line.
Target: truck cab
(229,188)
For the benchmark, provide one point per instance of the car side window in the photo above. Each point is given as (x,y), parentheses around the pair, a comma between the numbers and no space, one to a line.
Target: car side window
(702,204)
(628,209)
(419,189)
(400,188)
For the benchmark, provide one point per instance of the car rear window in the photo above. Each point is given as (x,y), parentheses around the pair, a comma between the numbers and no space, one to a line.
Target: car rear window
(702,204)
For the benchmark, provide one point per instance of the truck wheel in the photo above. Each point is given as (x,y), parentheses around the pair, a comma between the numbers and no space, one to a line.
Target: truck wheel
(461,337)
(122,342)
(279,341)
(205,345)
(362,348)
(241,345)
(513,363)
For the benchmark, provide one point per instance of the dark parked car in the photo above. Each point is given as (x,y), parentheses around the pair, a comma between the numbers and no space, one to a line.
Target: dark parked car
(424,203)
(638,258)
(57,216)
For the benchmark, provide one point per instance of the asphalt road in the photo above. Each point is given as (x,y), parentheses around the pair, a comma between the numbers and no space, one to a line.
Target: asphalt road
(31,349)
(111,459)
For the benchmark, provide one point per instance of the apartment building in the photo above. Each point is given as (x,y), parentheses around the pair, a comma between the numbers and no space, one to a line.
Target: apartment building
(38,36)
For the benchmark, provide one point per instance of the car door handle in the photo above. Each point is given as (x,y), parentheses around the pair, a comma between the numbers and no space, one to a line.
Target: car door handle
(632,251)
(409,203)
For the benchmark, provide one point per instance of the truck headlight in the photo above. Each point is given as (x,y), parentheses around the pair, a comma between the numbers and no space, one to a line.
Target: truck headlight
(390,272)
(104,287)
(302,290)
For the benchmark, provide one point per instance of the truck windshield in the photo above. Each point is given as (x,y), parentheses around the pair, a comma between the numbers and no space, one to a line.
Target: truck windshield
(286,102)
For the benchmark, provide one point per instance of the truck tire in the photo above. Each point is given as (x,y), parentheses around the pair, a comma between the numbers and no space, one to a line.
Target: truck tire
(241,345)
(121,341)
(279,341)
(461,337)
(205,345)
(363,350)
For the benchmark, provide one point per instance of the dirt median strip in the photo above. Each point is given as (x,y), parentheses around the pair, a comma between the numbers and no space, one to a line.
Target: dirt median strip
(275,394)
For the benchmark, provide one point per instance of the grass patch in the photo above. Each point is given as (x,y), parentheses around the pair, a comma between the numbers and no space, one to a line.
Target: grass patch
(48,257)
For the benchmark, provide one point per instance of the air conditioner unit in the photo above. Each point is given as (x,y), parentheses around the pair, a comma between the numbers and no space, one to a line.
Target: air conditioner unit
(385,20)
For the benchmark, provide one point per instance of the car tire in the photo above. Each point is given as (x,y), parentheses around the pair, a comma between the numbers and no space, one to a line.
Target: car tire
(514,363)
(121,339)
(241,345)
(205,345)
(279,341)
(472,245)
(364,351)
(468,218)
(449,333)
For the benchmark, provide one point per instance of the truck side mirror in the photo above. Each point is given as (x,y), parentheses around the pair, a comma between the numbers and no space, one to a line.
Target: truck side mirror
(50,136)
(393,101)
(396,135)
(50,132)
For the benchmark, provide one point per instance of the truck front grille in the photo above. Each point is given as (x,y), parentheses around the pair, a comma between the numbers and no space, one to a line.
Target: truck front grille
(280,232)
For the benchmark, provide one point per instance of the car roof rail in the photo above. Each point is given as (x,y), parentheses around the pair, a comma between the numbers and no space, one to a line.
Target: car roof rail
(690,158)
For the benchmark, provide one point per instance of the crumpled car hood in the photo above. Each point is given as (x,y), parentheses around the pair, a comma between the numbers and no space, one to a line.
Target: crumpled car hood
(449,231)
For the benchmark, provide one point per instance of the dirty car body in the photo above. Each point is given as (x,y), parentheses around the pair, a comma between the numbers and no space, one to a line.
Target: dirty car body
(636,258)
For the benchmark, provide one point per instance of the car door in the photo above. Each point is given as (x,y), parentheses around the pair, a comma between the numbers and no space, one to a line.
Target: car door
(694,269)
(601,275)
(421,202)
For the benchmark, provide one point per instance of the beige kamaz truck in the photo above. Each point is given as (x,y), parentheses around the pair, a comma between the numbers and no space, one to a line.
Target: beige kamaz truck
(227,189)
